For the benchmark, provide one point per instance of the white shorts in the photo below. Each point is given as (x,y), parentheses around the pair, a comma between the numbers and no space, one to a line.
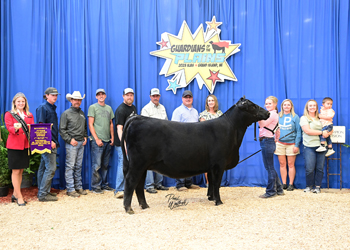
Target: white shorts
(282,149)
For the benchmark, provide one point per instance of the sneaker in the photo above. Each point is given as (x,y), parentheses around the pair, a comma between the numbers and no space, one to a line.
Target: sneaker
(119,195)
(280,193)
(162,188)
(182,189)
(107,189)
(48,198)
(52,194)
(307,190)
(317,190)
(330,152)
(97,191)
(73,194)
(285,186)
(290,188)
(194,187)
(151,190)
(81,191)
(265,196)
(321,149)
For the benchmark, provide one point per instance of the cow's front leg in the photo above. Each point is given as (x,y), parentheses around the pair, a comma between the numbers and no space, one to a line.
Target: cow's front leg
(217,176)
(140,192)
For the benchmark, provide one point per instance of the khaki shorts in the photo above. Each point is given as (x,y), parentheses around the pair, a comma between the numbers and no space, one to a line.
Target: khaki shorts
(282,149)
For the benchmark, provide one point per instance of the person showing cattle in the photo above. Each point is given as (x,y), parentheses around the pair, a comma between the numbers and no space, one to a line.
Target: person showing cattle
(102,139)
(287,147)
(122,113)
(46,113)
(185,149)
(73,130)
(18,121)
(185,113)
(314,160)
(211,112)
(155,110)
(267,131)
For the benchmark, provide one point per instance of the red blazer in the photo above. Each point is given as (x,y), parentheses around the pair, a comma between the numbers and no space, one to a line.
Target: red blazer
(17,140)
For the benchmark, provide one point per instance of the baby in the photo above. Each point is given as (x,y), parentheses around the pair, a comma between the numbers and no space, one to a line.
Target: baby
(326,117)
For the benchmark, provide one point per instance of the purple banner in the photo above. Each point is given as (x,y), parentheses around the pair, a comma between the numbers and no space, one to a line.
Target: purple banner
(40,138)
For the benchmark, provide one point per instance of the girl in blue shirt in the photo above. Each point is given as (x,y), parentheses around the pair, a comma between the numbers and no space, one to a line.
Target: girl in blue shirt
(287,147)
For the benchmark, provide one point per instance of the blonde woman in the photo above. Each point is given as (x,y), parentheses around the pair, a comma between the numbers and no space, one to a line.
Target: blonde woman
(314,161)
(287,148)
(18,122)
(211,112)
(267,130)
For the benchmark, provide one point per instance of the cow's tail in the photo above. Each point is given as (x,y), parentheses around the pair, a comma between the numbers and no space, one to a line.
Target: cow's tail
(123,144)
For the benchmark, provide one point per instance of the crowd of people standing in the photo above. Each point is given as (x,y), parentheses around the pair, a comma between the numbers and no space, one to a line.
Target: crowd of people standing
(280,135)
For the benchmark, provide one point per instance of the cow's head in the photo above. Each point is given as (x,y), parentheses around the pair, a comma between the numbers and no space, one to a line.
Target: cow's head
(253,112)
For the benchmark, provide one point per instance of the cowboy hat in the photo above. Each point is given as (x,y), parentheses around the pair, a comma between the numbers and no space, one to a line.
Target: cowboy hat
(75,95)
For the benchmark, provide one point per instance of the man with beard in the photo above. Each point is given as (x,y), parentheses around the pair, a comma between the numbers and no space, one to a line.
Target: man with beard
(122,113)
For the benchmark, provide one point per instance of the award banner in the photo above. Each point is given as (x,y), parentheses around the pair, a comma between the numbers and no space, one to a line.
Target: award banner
(40,138)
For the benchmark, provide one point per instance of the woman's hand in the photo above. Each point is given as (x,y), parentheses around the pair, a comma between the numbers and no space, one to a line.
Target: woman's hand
(295,150)
(325,135)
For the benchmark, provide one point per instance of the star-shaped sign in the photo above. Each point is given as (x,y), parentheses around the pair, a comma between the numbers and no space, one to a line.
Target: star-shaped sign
(213,24)
(214,76)
(163,43)
(173,86)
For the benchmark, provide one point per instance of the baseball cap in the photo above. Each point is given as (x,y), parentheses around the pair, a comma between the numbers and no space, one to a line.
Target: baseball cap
(187,92)
(100,90)
(128,90)
(155,91)
(52,91)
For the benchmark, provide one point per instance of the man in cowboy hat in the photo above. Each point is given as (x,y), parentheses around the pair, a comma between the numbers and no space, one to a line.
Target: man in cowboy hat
(46,113)
(122,113)
(102,139)
(73,130)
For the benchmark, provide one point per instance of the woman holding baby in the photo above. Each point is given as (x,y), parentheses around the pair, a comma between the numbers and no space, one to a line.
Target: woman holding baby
(18,121)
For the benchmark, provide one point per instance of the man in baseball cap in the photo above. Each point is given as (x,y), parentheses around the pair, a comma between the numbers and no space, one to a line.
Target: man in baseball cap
(46,113)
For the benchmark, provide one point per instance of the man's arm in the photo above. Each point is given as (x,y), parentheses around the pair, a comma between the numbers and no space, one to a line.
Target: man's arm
(93,132)
(111,128)
(120,131)
(63,129)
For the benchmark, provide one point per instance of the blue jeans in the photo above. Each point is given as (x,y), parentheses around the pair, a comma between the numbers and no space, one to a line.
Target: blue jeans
(119,182)
(153,182)
(328,128)
(314,165)
(46,172)
(100,161)
(184,182)
(74,163)
(268,147)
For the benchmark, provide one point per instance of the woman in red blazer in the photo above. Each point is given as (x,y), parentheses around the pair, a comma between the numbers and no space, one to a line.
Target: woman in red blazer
(18,122)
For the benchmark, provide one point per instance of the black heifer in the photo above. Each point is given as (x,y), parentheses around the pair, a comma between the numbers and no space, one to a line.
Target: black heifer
(180,150)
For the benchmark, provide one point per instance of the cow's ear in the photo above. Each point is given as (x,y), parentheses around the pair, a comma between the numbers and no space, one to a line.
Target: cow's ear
(243,97)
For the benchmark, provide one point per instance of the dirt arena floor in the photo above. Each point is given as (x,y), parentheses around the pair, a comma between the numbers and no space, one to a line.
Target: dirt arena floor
(294,221)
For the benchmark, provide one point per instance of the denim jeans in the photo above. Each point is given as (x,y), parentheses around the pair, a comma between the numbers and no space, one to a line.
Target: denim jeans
(153,182)
(314,165)
(119,182)
(74,163)
(328,128)
(184,182)
(100,161)
(46,172)
(268,147)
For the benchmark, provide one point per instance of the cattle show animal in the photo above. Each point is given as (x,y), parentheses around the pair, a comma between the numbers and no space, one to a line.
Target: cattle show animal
(180,150)
(219,46)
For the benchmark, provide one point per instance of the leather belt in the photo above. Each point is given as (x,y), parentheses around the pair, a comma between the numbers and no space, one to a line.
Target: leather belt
(264,137)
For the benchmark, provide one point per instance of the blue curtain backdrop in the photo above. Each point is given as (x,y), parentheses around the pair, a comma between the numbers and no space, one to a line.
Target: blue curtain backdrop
(290,49)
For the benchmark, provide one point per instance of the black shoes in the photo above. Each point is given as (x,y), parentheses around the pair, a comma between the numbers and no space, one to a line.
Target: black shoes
(151,190)
(290,188)
(14,199)
(162,188)
(107,189)
(285,186)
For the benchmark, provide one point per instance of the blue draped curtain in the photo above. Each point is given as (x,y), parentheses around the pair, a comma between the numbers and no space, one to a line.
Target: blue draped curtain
(290,49)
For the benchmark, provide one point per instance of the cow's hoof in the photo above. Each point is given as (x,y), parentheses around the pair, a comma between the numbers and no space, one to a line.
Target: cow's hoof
(130,211)
(144,206)
(217,203)
(210,198)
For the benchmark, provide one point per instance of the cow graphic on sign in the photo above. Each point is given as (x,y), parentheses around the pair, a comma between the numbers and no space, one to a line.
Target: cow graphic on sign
(201,56)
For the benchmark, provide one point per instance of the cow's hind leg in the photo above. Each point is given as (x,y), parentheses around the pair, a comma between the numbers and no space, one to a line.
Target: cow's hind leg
(140,192)
(210,187)
(216,176)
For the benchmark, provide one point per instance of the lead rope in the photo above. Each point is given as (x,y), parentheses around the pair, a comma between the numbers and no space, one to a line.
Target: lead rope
(260,149)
